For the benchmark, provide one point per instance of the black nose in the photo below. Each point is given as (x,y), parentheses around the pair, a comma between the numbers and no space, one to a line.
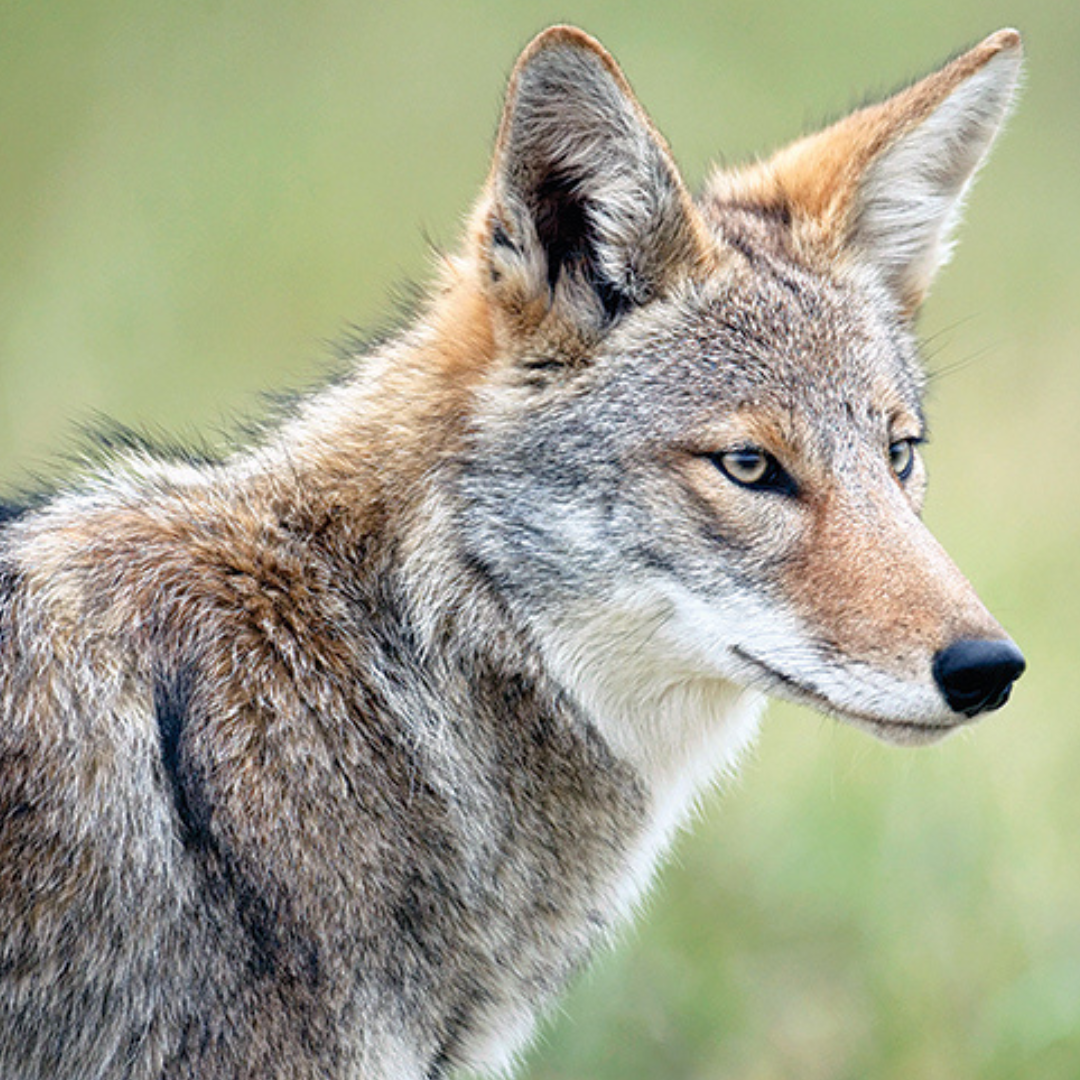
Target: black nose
(976,676)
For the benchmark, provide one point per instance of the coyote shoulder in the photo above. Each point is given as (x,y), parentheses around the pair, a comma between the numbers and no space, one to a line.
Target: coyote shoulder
(337,757)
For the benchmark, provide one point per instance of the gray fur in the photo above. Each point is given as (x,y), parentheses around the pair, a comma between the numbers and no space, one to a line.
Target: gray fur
(338,758)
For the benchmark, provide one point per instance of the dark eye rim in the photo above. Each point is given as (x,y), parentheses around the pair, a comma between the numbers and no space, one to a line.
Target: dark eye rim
(912,443)
(774,479)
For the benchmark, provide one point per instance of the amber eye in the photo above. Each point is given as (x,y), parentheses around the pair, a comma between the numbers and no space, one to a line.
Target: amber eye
(753,468)
(745,466)
(902,457)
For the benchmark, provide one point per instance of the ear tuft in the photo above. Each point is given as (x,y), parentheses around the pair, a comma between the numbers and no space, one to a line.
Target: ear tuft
(586,214)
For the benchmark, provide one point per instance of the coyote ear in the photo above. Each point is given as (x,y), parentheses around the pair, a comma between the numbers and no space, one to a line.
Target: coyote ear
(887,183)
(585,213)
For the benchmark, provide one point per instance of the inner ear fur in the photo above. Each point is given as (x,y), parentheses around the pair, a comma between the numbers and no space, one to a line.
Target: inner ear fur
(886,184)
(584,215)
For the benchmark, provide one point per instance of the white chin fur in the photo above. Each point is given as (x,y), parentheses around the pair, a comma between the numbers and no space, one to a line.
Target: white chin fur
(669,679)
(679,722)
(893,709)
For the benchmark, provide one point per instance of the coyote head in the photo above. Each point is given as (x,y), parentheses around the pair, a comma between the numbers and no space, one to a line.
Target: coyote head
(694,467)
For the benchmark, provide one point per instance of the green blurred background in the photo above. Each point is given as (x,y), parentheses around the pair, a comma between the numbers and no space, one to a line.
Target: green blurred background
(196,198)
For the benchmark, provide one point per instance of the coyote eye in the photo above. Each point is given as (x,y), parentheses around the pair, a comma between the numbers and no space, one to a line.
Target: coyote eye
(902,457)
(753,468)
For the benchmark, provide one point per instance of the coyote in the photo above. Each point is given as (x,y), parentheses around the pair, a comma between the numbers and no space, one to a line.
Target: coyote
(336,757)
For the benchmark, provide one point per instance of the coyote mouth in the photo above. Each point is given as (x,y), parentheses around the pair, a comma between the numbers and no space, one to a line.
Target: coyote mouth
(900,731)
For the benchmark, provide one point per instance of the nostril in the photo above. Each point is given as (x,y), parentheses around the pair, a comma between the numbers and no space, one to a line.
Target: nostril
(976,675)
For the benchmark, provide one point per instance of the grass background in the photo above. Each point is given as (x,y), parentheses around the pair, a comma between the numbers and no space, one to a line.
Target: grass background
(195,198)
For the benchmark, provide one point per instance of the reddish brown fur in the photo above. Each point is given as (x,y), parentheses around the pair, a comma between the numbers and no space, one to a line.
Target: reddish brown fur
(814,181)
(336,758)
